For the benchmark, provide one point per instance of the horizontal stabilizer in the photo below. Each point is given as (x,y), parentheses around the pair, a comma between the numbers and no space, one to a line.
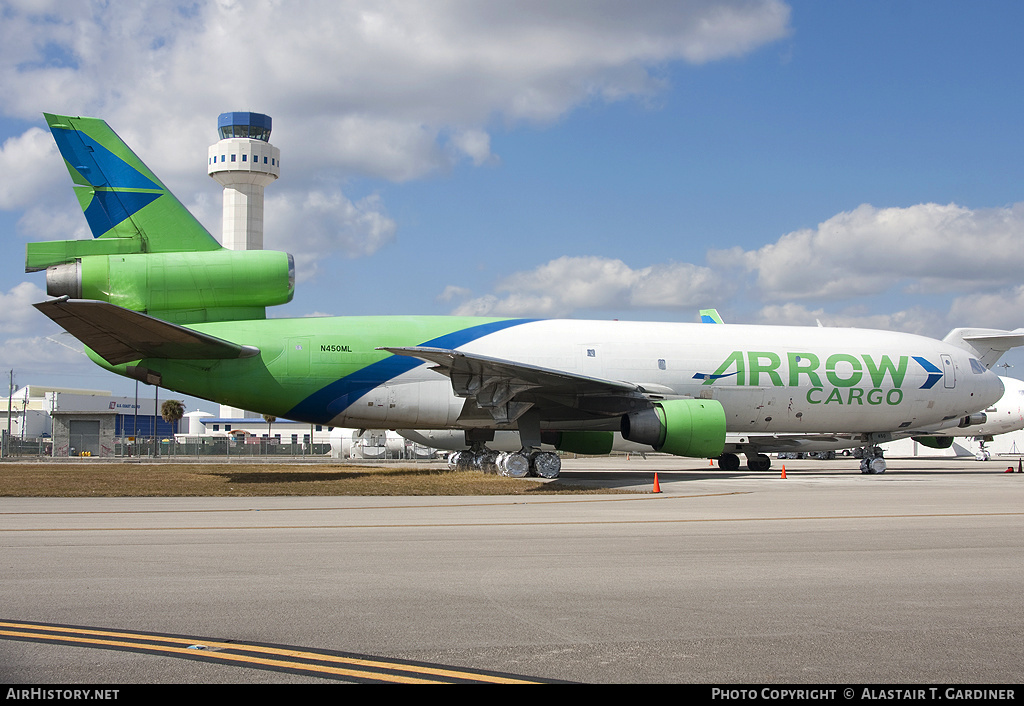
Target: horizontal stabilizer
(120,335)
(988,344)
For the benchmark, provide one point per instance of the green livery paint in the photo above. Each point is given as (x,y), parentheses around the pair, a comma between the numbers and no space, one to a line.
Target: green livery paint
(840,369)
(149,254)
(301,372)
(129,210)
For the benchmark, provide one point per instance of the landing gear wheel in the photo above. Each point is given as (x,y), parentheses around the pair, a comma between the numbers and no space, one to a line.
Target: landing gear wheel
(761,462)
(461,461)
(513,465)
(486,461)
(729,462)
(872,463)
(545,464)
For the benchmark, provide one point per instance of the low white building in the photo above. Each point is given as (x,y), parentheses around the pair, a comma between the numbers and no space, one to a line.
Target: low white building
(246,427)
(80,421)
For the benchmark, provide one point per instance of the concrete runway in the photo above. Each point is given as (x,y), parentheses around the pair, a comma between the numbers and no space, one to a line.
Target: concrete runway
(828,576)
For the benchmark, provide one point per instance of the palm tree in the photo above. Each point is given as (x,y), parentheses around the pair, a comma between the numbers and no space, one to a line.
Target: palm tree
(269,419)
(171,411)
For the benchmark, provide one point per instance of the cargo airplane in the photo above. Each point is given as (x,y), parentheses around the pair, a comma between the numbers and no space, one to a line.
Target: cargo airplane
(154,297)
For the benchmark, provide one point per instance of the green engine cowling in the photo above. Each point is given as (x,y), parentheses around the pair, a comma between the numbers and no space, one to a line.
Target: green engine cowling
(182,287)
(694,428)
(935,442)
(589,443)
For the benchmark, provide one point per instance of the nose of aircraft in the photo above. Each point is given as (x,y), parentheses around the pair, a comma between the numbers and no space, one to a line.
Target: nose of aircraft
(991,391)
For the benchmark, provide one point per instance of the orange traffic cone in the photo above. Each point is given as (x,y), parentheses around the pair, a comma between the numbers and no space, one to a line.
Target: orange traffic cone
(711,462)
(1009,469)
(783,472)
(1020,467)
(657,487)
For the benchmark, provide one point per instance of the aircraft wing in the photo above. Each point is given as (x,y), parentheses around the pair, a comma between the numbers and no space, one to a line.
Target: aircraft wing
(120,335)
(506,389)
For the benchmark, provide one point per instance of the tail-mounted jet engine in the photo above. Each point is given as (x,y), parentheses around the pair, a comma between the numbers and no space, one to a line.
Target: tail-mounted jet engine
(181,287)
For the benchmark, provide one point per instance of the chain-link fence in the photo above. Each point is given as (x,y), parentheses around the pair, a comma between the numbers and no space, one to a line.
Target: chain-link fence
(154,447)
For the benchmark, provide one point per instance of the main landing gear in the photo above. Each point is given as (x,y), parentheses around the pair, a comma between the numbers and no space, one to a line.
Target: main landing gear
(755,462)
(520,464)
(528,461)
(872,461)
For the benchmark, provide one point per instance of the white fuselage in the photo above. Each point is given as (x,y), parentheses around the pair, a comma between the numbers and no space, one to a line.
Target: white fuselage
(769,379)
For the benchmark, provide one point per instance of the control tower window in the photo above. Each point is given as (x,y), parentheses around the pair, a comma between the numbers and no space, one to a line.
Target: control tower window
(246,131)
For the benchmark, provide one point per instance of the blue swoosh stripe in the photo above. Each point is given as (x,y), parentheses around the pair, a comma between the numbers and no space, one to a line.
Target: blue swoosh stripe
(110,177)
(706,376)
(108,208)
(934,374)
(330,401)
(98,164)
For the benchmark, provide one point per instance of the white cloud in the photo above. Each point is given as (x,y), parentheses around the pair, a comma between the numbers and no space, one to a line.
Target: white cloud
(16,313)
(916,320)
(30,165)
(35,355)
(393,90)
(475,144)
(453,292)
(570,284)
(926,248)
(1002,309)
(315,223)
(942,251)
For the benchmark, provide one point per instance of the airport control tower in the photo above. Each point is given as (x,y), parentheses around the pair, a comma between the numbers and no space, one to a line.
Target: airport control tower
(244,162)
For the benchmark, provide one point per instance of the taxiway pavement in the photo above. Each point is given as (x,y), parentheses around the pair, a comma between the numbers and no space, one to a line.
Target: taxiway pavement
(828,576)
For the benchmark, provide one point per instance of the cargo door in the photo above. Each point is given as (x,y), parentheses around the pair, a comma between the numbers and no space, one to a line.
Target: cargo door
(948,371)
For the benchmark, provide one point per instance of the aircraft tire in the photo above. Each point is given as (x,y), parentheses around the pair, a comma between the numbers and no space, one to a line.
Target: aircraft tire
(729,462)
(486,461)
(513,465)
(761,462)
(545,464)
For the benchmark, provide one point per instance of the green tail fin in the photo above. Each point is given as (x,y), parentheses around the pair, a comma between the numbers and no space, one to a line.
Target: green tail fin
(710,316)
(128,208)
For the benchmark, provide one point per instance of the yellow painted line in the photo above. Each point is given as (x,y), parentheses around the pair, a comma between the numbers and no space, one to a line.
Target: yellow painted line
(119,639)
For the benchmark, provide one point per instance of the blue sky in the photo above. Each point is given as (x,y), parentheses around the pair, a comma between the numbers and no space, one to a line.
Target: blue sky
(849,162)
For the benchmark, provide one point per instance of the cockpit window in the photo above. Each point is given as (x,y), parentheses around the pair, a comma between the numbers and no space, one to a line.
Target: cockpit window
(976,366)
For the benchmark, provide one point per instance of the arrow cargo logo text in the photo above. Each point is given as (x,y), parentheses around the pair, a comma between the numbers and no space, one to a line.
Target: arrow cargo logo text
(847,374)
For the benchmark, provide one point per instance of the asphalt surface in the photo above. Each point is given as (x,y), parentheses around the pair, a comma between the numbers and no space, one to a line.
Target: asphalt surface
(826,576)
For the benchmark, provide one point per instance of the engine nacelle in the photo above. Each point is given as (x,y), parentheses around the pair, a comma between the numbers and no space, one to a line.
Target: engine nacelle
(694,428)
(589,443)
(934,442)
(183,287)
(973,420)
